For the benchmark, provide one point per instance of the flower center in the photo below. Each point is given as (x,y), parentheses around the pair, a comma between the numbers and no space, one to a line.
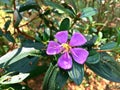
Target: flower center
(66,47)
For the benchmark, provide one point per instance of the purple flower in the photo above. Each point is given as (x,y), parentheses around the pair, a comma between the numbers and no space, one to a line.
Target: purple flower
(68,49)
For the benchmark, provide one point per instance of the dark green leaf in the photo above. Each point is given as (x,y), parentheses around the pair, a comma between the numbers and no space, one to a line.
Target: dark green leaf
(52,80)
(107,68)
(7,24)
(1,33)
(9,37)
(19,86)
(58,6)
(118,37)
(16,55)
(76,73)
(91,42)
(50,77)
(65,24)
(93,30)
(47,77)
(28,6)
(9,11)
(61,79)
(17,18)
(93,59)
(45,36)
(24,65)
(109,45)
(88,12)
(31,44)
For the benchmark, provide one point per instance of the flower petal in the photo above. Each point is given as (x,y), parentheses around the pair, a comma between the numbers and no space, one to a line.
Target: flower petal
(53,48)
(79,55)
(77,39)
(62,36)
(65,61)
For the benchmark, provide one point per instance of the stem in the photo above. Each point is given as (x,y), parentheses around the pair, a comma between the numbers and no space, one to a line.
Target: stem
(14,3)
(27,36)
(29,21)
(110,50)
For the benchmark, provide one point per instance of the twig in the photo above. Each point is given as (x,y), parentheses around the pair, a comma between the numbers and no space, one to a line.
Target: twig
(29,21)
(105,50)
(27,36)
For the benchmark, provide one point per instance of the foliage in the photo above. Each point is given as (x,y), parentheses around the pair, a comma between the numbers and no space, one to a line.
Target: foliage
(27,26)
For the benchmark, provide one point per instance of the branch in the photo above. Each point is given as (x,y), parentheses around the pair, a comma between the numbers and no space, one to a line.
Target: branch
(27,36)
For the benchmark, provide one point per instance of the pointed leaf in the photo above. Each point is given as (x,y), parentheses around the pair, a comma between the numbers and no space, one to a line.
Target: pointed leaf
(88,11)
(109,45)
(7,24)
(94,58)
(58,6)
(61,77)
(24,65)
(47,77)
(28,5)
(76,73)
(9,37)
(107,68)
(16,55)
(17,18)
(52,80)
(50,77)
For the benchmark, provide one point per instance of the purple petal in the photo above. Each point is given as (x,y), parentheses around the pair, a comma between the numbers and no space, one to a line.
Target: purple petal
(77,39)
(62,36)
(53,48)
(79,55)
(65,61)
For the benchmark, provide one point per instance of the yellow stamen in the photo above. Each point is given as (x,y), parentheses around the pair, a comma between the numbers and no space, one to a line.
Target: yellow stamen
(66,46)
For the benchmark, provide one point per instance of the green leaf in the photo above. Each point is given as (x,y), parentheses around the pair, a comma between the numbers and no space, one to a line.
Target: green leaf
(7,24)
(61,77)
(24,65)
(91,42)
(31,44)
(118,37)
(59,7)
(17,18)
(50,77)
(52,80)
(47,77)
(45,36)
(10,11)
(12,79)
(109,45)
(16,55)
(9,37)
(65,24)
(107,68)
(94,58)
(88,12)
(1,33)
(5,1)
(76,73)
(28,6)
